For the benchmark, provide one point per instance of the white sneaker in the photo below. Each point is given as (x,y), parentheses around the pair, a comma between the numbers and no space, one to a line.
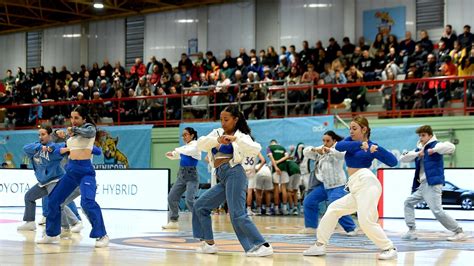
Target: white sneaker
(315,250)
(65,233)
(102,242)
(206,248)
(27,226)
(295,211)
(48,240)
(250,212)
(352,233)
(42,221)
(410,235)
(261,251)
(284,211)
(458,237)
(258,212)
(77,228)
(171,225)
(388,254)
(308,231)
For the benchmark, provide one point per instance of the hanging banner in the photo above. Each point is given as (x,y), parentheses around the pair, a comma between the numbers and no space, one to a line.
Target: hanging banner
(122,147)
(385,21)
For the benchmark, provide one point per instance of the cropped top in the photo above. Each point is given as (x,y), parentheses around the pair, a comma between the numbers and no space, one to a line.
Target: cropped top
(358,158)
(83,137)
(224,151)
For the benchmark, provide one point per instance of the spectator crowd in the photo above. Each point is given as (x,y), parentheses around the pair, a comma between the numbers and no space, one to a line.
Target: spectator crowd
(248,78)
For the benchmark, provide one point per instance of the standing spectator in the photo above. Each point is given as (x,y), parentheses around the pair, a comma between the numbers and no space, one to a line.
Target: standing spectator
(305,54)
(448,37)
(466,38)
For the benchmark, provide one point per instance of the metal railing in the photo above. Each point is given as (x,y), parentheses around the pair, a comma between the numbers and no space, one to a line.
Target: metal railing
(269,99)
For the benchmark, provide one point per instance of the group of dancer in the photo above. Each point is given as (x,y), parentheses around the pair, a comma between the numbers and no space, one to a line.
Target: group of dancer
(233,153)
(62,184)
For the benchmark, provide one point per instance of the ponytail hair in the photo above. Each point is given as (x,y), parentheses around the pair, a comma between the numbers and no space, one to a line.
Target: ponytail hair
(48,129)
(333,135)
(193,132)
(241,125)
(84,113)
(362,122)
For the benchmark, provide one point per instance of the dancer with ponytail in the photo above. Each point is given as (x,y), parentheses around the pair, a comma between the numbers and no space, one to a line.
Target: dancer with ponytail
(188,179)
(79,172)
(228,146)
(364,191)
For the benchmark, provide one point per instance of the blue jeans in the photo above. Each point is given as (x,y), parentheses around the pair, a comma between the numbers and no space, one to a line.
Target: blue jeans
(311,206)
(233,188)
(78,173)
(187,181)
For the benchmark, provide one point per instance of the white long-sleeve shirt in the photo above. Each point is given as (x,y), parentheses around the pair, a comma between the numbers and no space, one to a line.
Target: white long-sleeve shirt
(440,147)
(243,146)
(189,149)
(329,166)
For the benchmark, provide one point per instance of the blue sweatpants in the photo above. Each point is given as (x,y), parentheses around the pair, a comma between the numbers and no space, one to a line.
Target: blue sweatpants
(78,173)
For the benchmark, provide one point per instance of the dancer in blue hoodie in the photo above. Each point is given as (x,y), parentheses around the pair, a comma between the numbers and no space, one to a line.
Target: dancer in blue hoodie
(46,159)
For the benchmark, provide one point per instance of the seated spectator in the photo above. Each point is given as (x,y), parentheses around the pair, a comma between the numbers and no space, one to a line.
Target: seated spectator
(356,94)
(243,55)
(294,76)
(347,48)
(105,90)
(97,109)
(419,57)
(377,45)
(256,68)
(331,50)
(406,47)
(185,61)
(466,38)
(430,65)
(147,109)
(366,66)
(35,113)
(173,106)
(242,68)
(448,37)
(231,62)
(387,91)
(320,98)
(130,107)
(356,57)
(443,51)
(407,94)
(456,53)
(138,69)
(89,90)
(392,42)
(310,75)
(380,62)
(215,70)
(425,42)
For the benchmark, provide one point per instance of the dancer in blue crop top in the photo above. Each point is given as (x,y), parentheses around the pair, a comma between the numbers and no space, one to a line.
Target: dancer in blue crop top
(228,147)
(187,180)
(365,191)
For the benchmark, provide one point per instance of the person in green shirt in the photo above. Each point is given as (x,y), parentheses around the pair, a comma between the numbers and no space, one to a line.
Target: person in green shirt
(278,157)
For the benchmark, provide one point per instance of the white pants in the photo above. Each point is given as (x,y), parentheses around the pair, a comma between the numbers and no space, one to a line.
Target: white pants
(365,191)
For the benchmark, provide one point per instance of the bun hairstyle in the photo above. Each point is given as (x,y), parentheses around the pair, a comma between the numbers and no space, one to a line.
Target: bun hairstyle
(84,113)
(362,122)
(241,125)
(193,132)
(333,135)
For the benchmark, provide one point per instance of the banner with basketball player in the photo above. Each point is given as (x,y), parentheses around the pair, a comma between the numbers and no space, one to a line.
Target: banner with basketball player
(122,147)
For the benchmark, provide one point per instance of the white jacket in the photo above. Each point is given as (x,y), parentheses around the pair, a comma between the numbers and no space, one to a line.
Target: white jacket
(329,166)
(243,146)
(440,147)
(190,149)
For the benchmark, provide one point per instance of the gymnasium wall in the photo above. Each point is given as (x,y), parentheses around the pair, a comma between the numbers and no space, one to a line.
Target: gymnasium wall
(245,23)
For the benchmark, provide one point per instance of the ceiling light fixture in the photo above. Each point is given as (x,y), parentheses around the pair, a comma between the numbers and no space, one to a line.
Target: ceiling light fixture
(98,4)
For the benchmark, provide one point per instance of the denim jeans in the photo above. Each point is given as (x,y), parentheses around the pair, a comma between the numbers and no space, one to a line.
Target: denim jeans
(188,182)
(36,192)
(432,196)
(311,206)
(232,187)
